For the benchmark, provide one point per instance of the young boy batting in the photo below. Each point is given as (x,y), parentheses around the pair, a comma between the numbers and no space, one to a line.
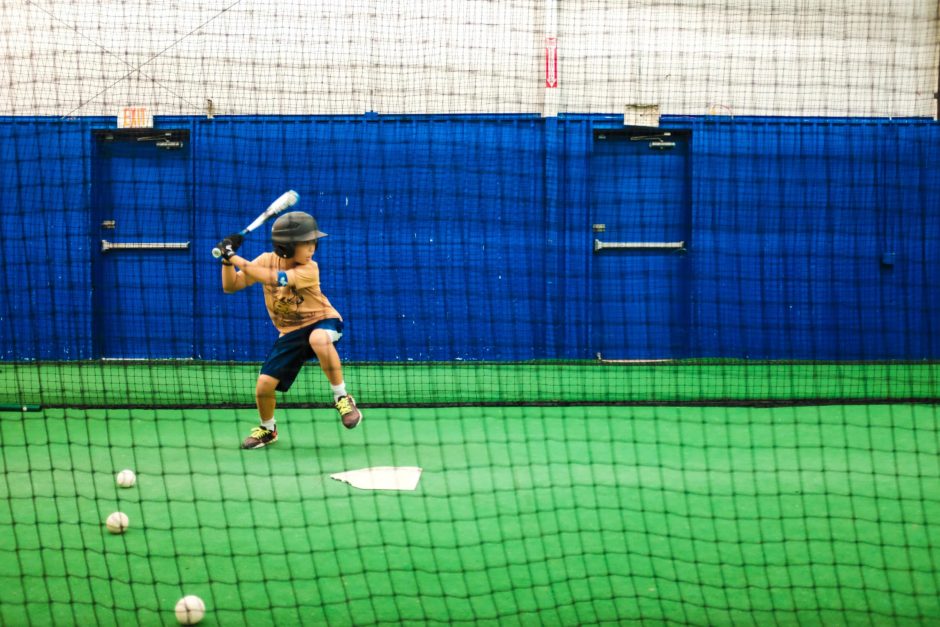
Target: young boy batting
(308,324)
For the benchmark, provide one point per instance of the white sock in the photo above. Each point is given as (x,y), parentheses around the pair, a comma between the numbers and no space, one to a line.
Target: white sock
(269,424)
(338,391)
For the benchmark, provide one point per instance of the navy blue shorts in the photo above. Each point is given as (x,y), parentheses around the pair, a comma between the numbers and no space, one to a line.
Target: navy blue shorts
(292,350)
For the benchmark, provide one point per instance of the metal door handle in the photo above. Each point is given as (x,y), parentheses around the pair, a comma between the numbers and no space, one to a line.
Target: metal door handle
(106,246)
(599,245)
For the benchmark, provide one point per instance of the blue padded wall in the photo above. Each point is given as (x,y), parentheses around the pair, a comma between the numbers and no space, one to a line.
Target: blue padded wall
(468,237)
(45,311)
(792,222)
(435,236)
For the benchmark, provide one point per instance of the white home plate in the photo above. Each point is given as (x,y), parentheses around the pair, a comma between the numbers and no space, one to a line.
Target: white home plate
(381,478)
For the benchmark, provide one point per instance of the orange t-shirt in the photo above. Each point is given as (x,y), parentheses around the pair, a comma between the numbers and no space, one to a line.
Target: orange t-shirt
(299,303)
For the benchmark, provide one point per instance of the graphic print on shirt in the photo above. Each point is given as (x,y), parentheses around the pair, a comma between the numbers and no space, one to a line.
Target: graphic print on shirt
(285,302)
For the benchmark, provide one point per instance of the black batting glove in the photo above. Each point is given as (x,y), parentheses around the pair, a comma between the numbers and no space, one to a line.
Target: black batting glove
(228,248)
(229,245)
(236,239)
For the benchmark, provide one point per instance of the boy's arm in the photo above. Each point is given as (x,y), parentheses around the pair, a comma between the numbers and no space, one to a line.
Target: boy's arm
(233,281)
(251,273)
(248,273)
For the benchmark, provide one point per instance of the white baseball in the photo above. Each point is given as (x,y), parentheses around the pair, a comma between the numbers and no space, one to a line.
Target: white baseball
(126,478)
(117,522)
(190,610)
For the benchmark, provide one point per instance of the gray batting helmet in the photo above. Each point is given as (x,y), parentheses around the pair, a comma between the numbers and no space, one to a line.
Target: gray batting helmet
(293,228)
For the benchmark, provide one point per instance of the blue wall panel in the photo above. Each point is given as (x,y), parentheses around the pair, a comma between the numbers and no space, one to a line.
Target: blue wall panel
(468,237)
(435,231)
(572,257)
(791,222)
(45,306)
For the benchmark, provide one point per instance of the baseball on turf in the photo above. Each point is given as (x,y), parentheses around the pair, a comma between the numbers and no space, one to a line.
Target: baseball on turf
(126,478)
(117,522)
(190,610)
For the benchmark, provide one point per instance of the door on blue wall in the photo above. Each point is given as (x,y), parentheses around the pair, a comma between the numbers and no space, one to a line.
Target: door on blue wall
(142,197)
(641,222)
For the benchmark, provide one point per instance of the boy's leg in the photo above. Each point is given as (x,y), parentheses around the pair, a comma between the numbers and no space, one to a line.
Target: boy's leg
(265,398)
(322,345)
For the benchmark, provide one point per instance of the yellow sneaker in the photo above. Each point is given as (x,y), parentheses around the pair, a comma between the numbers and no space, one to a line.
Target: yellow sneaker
(346,406)
(260,437)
